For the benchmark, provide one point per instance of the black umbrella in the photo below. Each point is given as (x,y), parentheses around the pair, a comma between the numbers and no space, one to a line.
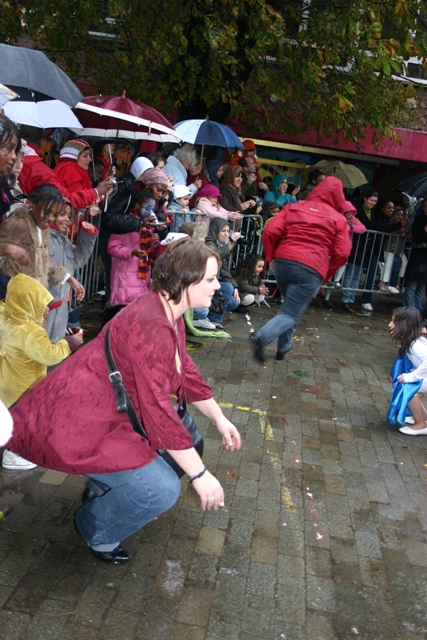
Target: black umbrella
(33,70)
(415,186)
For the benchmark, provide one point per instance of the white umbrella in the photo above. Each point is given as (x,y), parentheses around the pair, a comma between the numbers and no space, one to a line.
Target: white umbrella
(6,95)
(46,114)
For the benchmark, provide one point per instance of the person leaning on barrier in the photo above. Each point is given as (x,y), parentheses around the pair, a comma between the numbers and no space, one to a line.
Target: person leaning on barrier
(129,483)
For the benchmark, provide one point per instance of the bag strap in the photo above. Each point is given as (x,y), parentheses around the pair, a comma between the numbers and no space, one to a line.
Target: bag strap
(123,402)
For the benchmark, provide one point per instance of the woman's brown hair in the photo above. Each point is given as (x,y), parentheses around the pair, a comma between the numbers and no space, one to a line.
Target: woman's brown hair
(231,172)
(182,264)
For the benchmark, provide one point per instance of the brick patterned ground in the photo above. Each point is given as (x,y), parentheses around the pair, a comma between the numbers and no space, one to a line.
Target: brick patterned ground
(323,535)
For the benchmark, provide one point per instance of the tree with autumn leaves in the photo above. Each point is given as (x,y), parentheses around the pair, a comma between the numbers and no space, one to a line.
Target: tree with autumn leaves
(331,65)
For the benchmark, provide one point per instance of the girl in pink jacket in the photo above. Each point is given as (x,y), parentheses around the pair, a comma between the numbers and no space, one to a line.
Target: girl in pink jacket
(132,254)
(208,204)
(354,226)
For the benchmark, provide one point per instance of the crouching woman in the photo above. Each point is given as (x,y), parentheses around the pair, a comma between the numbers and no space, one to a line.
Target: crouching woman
(129,483)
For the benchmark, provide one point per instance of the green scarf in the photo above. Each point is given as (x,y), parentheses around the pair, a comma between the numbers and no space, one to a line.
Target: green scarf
(188,317)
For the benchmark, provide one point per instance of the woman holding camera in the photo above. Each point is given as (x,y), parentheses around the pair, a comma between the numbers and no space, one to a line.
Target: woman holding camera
(129,483)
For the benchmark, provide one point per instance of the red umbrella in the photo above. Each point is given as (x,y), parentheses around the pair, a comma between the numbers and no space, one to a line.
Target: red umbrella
(121,117)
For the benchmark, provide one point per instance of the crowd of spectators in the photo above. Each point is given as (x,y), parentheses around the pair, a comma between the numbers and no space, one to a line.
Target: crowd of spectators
(55,206)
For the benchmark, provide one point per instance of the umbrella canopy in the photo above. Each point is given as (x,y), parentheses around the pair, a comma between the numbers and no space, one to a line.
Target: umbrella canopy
(416,187)
(38,110)
(121,117)
(350,176)
(209,133)
(6,95)
(32,69)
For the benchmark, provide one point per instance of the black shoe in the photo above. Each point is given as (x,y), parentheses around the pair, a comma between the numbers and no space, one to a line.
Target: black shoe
(327,304)
(241,309)
(348,306)
(259,348)
(117,556)
(281,356)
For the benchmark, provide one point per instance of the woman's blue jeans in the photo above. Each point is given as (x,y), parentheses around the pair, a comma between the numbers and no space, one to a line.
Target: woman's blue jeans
(350,281)
(131,500)
(414,294)
(352,277)
(298,285)
(231,303)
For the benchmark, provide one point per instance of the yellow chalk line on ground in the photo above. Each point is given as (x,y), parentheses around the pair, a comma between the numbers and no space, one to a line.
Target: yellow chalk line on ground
(267,430)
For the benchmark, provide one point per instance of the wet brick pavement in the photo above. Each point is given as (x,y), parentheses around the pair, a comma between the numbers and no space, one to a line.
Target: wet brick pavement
(323,535)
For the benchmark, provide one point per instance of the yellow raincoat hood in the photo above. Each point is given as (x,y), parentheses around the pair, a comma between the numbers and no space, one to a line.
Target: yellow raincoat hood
(26,299)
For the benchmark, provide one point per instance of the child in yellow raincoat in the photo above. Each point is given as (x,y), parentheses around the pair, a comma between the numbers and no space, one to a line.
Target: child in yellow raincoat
(25,348)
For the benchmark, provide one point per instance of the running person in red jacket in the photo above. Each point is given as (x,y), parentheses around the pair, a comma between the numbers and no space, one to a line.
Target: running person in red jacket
(308,241)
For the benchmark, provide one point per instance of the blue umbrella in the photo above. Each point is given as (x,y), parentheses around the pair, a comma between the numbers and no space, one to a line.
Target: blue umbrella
(208,132)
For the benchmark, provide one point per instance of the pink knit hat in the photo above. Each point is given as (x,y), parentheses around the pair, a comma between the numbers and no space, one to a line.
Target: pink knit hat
(209,191)
(154,176)
(73,149)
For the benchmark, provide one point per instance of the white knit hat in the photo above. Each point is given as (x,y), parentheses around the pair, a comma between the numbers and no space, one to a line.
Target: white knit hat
(180,191)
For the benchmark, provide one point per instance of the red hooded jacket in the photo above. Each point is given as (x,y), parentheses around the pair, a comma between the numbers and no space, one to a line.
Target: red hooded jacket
(313,231)
(35,172)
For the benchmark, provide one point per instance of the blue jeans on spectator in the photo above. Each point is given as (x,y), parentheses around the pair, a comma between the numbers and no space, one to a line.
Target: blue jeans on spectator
(231,303)
(131,500)
(370,278)
(200,314)
(298,285)
(350,281)
(414,294)
(352,277)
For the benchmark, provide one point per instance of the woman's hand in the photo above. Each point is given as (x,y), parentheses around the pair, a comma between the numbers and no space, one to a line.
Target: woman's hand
(235,215)
(18,254)
(210,491)
(235,236)
(77,287)
(230,435)
(236,295)
(138,253)
(105,186)
(247,205)
(401,378)
(296,191)
(93,210)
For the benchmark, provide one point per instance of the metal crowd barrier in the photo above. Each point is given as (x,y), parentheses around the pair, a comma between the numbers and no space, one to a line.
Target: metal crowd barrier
(91,274)
(378,257)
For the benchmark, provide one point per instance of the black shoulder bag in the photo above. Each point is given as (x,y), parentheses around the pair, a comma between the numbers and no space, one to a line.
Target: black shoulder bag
(124,405)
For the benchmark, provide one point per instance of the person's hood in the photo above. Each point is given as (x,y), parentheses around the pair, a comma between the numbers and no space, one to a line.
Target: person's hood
(277,180)
(215,227)
(330,192)
(140,165)
(349,206)
(212,167)
(26,299)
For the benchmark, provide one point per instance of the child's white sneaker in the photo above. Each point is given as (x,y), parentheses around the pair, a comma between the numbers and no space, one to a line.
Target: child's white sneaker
(367,306)
(15,462)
